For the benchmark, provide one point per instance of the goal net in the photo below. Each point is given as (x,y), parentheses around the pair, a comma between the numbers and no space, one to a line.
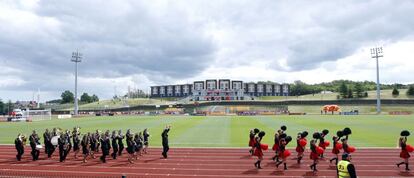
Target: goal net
(37,115)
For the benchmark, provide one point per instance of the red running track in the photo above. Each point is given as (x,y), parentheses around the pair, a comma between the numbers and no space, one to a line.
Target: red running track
(196,162)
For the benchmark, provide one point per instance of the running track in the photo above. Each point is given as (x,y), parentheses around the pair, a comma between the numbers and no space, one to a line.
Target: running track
(195,162)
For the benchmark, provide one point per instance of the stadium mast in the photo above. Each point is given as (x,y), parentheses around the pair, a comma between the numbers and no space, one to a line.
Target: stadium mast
(76,58)
(377,53)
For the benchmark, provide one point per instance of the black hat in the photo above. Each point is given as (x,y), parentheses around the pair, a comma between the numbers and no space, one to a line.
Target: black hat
(256,130)
(284,128)
(325,131)
(282,135)
(347,131)
(339,133)
(405,133)
(345,156)
(288,139)
(262,134)
(316,135)
(304,134)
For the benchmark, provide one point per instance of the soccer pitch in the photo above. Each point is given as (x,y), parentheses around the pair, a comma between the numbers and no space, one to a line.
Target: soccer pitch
(228,131)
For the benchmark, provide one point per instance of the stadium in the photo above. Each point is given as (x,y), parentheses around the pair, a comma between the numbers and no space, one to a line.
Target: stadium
(206,89)
(220,90)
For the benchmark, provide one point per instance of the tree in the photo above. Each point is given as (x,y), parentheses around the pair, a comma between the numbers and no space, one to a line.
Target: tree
(137,93)
(67,97)
(395,92)
(95,98)
(350,93)
(410,91)
(9,107)
(300,88)
(2,105)
(86,98)
(358,90)
(55,101)
(343,90)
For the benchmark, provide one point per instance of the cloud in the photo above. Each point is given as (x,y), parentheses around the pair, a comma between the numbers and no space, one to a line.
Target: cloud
(142,43)
(117,39)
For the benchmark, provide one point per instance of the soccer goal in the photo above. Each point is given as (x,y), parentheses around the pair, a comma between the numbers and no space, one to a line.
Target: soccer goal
(37,115)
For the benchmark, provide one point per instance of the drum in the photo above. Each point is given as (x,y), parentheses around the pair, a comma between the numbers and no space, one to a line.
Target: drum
(54,140)
(38,147)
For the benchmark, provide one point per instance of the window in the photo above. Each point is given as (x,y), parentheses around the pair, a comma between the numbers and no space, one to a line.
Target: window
(260,88)
(224,85)
(178,89)
(211,85)
(169,90)
(154,91)
(269,88)
(285,88)
(237,85)
(277,88)
(198,86)
(251,88)
(162,90)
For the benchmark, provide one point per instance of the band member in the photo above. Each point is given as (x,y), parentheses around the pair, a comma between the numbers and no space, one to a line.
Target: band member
(120,143)
(138,145)
(146,142)
(76,141)
(55,132)
(345,169)
(129,134)
(322,142)
(165,146)
(314,154)
(300,145)
(252,134)
(34,141)
(105,146)
(68,143)
(283,153)
(46,140)
(115,149)
(336,146)
(19,144)
(93,144)
(86,146)
(97,138)
(258,149)
(63,146)
(404,154)
(130,147)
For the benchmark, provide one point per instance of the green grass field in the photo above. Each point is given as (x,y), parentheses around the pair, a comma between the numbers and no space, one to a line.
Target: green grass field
(364,109)
(229,131)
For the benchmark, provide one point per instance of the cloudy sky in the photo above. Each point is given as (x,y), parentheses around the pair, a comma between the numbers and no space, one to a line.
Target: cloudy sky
(143,43)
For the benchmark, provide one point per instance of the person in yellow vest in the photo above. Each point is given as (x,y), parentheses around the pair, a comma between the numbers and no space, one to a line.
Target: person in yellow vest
(345,168)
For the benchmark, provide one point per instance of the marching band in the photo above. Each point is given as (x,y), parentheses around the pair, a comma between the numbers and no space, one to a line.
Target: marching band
(88,144)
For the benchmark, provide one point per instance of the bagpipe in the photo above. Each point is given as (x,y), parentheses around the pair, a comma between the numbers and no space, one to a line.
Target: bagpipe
(23,138)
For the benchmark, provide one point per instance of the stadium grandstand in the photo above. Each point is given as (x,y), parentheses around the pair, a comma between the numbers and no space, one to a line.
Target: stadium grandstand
(222,89)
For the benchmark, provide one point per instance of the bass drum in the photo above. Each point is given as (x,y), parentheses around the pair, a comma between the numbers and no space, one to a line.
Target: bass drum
(54,140)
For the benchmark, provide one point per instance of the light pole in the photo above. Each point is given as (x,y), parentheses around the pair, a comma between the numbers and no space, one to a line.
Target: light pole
(76,58)
(377,53)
